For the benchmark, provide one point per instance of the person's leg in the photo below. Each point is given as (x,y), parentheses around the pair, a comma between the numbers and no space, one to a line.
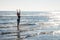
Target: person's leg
(18,28)
(18,21)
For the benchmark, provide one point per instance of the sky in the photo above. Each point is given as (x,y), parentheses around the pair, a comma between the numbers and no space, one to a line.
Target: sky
(30,5)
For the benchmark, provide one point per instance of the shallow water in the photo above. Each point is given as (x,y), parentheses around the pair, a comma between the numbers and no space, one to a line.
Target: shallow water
(32,27)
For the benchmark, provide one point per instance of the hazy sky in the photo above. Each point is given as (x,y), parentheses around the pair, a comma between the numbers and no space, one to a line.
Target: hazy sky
(30,5)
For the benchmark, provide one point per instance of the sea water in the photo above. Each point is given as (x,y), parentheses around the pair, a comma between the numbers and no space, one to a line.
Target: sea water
(34,25)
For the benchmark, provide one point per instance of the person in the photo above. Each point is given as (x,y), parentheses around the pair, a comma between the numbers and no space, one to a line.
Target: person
(18,20)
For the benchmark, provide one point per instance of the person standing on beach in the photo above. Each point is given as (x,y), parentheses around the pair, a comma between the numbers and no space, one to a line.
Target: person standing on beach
(18,20)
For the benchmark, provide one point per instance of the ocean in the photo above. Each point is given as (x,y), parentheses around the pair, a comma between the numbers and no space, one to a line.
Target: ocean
(34,25)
